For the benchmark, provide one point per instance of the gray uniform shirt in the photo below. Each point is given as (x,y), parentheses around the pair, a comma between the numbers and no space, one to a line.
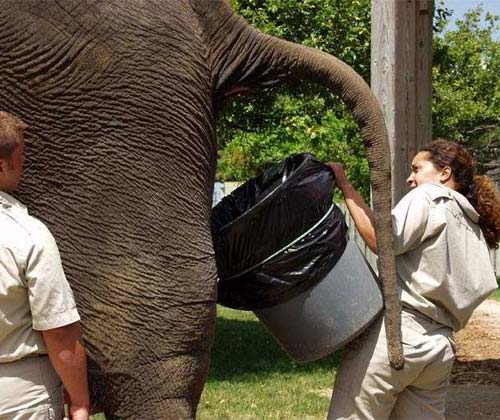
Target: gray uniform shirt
(442,259)
(34,292)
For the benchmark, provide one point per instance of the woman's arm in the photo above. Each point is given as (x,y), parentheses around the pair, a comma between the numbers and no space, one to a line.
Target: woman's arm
(359,210)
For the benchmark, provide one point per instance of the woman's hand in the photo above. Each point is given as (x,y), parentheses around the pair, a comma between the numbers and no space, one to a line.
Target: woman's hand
(360,211)
(340,175)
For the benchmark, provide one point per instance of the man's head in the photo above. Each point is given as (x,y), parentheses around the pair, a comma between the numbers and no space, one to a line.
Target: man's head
(11,151)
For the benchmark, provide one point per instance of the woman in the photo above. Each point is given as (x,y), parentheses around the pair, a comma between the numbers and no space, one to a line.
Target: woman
(442,231)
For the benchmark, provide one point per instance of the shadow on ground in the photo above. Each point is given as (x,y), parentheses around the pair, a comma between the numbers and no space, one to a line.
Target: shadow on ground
(475,390)
(485,372)
(245,348)
(473,402)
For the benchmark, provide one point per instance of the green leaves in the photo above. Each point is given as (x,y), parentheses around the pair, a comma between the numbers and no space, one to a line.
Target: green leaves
(339,27)
(259,131)
(466,98)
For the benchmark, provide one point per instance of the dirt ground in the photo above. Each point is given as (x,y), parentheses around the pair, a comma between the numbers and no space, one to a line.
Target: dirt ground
(475,381)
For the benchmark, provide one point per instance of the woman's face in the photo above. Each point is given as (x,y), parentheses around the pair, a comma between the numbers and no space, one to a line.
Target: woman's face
(424,171)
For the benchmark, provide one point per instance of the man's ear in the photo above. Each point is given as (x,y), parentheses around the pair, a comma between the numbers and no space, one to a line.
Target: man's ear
(446,174)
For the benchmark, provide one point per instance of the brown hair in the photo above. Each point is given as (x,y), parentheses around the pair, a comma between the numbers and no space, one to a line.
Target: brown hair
(11,133)
(479,190)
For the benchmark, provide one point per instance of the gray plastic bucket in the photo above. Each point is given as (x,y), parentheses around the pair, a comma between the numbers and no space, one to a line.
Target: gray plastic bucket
(328,315)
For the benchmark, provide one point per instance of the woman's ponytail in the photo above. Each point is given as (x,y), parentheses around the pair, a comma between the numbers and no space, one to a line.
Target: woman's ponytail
(485,198)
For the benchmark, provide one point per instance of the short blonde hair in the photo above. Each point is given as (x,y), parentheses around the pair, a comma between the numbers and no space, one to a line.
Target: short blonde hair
(11,133)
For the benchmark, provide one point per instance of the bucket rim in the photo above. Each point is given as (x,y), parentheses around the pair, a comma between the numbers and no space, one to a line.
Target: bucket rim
(306,157)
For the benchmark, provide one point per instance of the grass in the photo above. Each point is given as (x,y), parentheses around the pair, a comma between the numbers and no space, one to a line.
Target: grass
(496,294)
(252,378)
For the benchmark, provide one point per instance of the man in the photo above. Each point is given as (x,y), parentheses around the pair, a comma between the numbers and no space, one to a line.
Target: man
(40,337)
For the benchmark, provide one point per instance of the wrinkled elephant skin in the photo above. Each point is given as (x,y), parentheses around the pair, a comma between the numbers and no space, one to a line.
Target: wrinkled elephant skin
(121,99)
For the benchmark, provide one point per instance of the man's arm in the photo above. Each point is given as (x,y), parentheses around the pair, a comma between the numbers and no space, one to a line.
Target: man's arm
(69,359)
(359,210)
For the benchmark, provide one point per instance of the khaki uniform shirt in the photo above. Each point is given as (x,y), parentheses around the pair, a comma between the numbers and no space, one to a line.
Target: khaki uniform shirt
(34,292)
(442,259)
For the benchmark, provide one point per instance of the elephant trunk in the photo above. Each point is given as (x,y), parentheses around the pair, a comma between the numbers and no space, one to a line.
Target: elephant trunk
(244,59)
(312,65)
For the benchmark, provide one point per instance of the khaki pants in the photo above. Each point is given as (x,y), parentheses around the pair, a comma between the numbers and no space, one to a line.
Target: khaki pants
(30,390)
(366,387)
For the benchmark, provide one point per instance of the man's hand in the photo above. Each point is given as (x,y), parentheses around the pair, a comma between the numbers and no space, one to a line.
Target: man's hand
(74,411)
(77,413)
(68,357)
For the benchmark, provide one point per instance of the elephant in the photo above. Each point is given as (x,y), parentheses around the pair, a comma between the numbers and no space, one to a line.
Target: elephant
(121,99)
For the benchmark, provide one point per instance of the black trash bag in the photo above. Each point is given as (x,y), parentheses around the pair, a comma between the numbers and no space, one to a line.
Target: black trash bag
(277,234)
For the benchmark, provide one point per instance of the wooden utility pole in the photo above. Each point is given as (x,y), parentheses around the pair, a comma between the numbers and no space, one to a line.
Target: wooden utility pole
(401,78)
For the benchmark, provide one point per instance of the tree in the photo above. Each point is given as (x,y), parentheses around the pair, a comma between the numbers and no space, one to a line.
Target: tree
(269,126)
(266,128)
(466,99)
